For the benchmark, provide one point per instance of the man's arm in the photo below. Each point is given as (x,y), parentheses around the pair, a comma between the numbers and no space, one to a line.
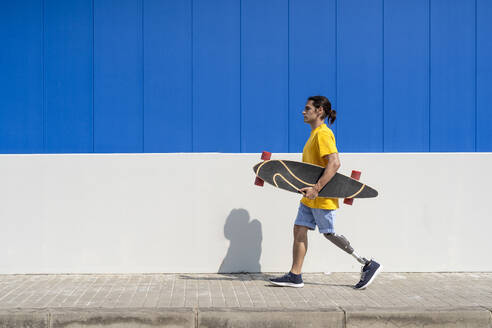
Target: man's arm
(330,170)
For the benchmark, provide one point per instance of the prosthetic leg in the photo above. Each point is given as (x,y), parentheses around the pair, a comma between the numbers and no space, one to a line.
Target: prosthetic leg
(344,244)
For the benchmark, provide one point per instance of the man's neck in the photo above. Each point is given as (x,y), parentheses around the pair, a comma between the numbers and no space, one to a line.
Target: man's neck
(316,124)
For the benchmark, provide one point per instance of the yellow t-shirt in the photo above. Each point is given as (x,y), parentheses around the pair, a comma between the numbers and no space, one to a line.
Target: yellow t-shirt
(320,143)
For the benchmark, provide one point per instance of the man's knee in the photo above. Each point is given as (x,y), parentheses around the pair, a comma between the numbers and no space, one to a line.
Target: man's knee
(340,241)
(300,232)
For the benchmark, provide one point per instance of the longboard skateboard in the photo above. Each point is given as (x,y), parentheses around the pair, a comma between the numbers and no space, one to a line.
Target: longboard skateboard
(293,176)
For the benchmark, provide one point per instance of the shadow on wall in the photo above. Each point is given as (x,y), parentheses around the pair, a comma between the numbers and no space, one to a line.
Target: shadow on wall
(245,238)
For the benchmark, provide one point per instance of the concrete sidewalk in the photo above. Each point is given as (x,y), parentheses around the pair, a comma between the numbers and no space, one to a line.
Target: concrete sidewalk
(245,300)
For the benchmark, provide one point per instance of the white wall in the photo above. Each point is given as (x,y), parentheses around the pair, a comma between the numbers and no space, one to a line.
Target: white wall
(95,213)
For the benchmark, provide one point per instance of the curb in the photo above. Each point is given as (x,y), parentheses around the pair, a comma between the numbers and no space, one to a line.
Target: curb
(271,318)
(469,317)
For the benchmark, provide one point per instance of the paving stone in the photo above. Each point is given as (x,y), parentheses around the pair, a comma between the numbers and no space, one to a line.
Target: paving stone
(395,298)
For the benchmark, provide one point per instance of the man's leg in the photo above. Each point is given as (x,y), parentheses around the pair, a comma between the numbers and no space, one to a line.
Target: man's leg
(294,277)
(299,248)
(370,268)
(303,222)
(344,244)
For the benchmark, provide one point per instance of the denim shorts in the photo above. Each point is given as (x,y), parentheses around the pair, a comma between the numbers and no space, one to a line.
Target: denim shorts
(312,217)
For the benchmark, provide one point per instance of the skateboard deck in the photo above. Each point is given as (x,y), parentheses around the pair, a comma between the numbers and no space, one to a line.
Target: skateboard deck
(293,176)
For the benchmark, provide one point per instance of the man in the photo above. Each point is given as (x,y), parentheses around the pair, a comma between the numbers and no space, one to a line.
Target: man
(320,149)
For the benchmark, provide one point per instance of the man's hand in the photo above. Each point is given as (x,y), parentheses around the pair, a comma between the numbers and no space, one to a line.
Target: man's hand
(309,192)
(330,170)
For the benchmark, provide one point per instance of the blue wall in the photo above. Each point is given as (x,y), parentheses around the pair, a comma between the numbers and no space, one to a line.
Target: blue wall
(233,75)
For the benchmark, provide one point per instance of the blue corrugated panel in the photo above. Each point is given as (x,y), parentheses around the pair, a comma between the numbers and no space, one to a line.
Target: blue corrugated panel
(452,80)
(360,75)
(21,77)
(312,61)
(118,87)
(216,76)
(68,76)
(167,76)
(406,76)
(264,71)
(233,75)
(484,75)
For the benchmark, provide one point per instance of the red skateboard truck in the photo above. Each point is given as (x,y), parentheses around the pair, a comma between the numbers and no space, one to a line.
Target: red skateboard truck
(265,156)
(356,176)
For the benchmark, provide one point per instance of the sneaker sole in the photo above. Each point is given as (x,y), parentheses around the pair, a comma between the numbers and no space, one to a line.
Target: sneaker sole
(287,284)
(372,278)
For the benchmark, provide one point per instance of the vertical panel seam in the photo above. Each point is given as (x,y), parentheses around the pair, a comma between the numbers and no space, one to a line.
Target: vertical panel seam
(430,80)
(143,75)
(191,79)
(93,80)
(240,76)
(476,73)
(336,61)
(382,80)
(288,76)
(43,69)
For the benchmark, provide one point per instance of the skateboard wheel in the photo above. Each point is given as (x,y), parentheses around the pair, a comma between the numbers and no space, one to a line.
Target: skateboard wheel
(348,201)
(355,175)
(266,155)
(259,182)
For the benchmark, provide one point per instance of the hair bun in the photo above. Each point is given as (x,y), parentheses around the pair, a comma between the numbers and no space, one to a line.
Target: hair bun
(333,116)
